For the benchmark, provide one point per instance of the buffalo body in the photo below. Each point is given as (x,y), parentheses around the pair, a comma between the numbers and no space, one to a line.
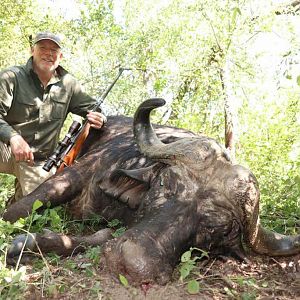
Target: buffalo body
(171,188)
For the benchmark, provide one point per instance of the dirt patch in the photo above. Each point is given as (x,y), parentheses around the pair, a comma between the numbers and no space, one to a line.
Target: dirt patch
(78,278)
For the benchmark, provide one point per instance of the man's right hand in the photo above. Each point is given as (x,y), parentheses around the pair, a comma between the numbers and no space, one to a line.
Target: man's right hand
(21,150)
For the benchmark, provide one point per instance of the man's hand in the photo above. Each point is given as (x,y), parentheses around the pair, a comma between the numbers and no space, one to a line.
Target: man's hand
(96,119)
(21,150)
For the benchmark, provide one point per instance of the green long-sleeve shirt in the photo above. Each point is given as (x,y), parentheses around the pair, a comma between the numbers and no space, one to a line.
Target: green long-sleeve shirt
(38,114)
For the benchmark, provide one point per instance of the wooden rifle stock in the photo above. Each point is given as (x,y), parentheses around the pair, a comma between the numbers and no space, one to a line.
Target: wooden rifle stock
(70,157)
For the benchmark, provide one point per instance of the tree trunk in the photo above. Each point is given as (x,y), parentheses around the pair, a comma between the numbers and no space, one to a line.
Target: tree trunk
(230,112)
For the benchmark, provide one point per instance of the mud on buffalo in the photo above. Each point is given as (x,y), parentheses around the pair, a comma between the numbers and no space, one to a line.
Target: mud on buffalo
(172,189)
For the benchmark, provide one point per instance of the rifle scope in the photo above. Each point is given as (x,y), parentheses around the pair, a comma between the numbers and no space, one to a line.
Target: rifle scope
(56,158)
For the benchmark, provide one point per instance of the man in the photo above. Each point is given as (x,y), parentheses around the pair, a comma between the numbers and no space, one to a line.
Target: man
(34,102)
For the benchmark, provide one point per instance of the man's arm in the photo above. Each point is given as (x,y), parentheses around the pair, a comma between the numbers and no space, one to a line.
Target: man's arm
(96,119)
(19,147)
(21,150)
(7,86)
(81,104)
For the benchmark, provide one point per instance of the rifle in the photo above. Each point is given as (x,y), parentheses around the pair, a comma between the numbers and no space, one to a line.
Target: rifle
(68,149)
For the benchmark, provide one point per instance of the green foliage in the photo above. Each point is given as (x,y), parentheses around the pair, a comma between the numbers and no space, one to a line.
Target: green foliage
(94,254)
(14,281)
(193,287)
(123,280)
(96,289)
(275,162)
(11,280)
(188,263)
(187,266)
(117,226)
(53,218)
(6,184)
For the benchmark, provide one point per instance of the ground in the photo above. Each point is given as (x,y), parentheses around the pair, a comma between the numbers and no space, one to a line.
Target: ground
(83,277)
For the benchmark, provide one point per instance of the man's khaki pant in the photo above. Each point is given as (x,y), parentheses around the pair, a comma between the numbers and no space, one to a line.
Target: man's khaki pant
(28,178)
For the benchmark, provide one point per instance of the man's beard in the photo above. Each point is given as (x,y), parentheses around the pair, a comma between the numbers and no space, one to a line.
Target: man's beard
(47,68)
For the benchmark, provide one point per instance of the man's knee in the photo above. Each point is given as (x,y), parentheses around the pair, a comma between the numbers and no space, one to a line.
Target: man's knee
(28,178)
(32,176)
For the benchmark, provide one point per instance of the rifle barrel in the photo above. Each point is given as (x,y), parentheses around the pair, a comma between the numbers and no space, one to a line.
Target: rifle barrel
(106,92)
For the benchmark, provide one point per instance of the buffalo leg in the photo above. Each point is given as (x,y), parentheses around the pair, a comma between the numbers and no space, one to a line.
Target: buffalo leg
(58,189)
(58,243)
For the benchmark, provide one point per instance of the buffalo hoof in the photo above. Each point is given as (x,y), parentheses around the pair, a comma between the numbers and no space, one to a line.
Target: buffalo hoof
(20,243)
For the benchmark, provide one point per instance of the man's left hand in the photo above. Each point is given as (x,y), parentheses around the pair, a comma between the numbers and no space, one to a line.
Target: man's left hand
(96,119)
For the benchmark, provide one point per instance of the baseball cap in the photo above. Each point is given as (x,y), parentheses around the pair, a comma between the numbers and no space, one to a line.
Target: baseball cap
(48,36)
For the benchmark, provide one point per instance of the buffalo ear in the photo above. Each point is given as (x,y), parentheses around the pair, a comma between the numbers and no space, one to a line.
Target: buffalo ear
(129,186)
(142,175)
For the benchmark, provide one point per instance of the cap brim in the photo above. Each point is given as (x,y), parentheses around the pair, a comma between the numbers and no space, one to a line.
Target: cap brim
(48,38)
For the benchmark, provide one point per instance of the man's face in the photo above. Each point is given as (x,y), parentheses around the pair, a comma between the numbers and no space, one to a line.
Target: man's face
(46,56)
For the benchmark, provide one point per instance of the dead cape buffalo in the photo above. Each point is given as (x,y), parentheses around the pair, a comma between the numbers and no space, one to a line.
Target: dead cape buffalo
(172,188)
